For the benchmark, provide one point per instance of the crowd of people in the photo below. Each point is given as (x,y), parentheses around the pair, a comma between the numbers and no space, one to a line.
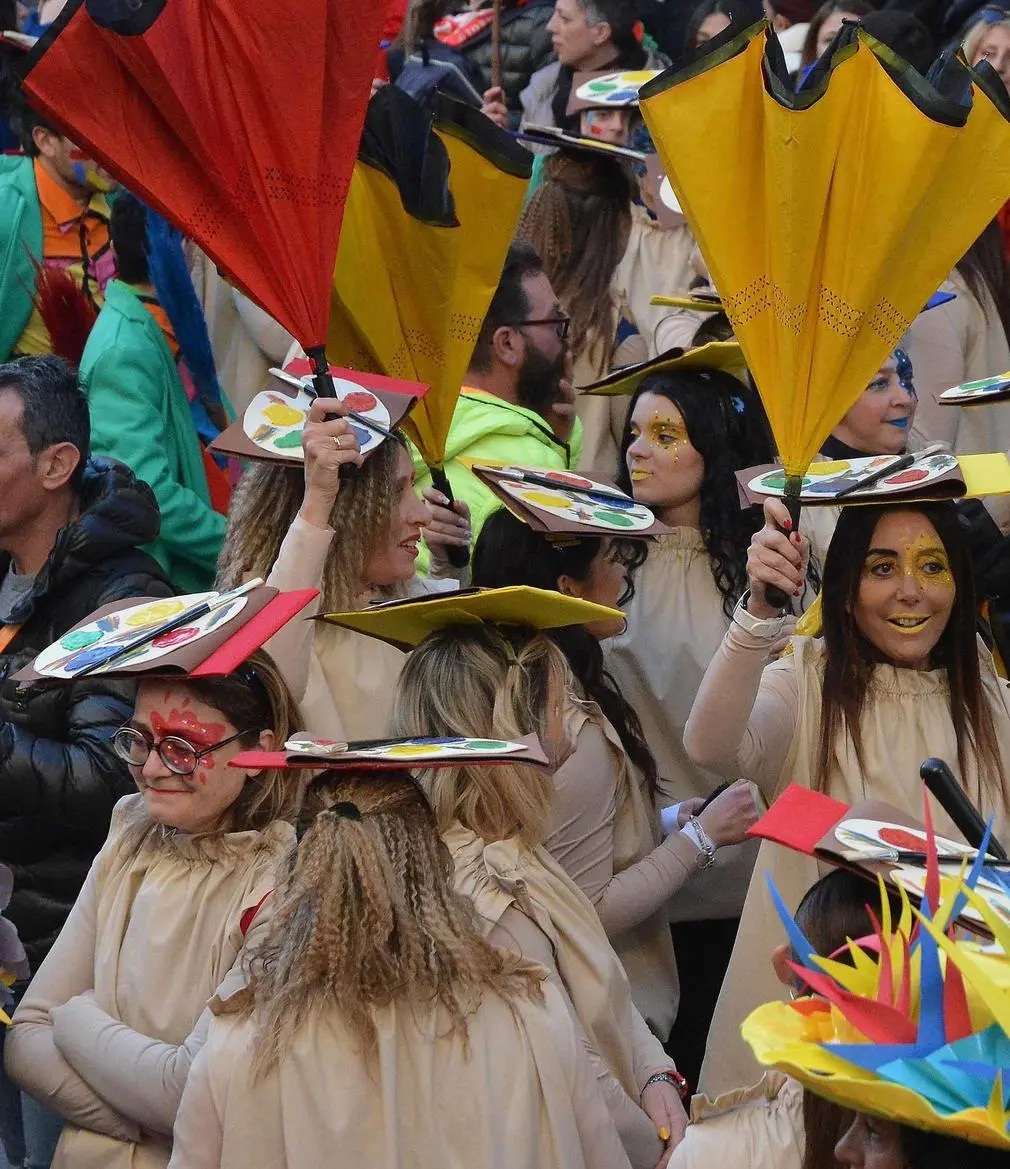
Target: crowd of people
(229,961)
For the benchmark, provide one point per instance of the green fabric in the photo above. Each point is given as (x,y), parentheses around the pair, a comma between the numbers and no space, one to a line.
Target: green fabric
(20,243)
(486,427)
(140,415)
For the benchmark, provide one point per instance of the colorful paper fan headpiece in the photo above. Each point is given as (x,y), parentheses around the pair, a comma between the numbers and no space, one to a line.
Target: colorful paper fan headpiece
(304,751)
(909,1024)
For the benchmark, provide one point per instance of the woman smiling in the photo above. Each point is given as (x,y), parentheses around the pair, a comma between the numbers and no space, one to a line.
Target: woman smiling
(898,676)
(108,1028)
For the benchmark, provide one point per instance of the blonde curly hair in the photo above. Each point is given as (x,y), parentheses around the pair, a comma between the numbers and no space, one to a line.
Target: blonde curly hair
(480,681)
(264,506)
(366,917)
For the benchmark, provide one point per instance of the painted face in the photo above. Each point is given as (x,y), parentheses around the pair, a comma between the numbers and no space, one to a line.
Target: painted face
(394,560)
(604,584)
(829,29)
(200,802)
(710,27)
(575,41)
(879,421)
(606,125)
(995,48)
(666,471)
(869,1143)
(906,591)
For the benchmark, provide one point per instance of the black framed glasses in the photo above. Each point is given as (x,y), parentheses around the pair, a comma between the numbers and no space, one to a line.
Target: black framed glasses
(562,324)
(179,756)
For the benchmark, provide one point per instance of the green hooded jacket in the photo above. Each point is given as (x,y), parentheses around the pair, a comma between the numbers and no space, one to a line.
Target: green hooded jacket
(20,243)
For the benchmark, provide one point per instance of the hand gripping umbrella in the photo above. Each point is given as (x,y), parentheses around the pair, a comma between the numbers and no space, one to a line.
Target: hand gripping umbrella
(829,216)
(432,209)
(238,120)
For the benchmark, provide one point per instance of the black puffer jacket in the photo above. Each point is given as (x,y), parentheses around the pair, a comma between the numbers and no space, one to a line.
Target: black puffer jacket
(525,47)
(59,778)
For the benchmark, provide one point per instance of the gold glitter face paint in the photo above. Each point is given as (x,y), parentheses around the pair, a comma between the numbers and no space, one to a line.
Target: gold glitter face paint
(924,559)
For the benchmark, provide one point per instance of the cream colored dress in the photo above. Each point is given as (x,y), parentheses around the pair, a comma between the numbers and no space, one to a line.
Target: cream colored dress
(764,722)
(603,832)
(675,625)
(521,1097)
(656,260)
(529,904)
(112,1019)
(960,341)
(754,1128)
(345,682)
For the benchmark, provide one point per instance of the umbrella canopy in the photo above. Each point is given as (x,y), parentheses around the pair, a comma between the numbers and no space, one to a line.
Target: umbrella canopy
(827,217)
(432,209)
(238,120)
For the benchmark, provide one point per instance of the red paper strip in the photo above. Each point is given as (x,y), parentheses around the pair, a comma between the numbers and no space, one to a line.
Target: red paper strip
(255,633)
(799,819)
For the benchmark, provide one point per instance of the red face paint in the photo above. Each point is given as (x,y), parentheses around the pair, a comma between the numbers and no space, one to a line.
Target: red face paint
(186,724)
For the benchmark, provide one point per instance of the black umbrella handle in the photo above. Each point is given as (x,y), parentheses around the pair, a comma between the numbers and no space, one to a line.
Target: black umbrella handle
(322,383)
(939,778)
(458,557)
(776,597)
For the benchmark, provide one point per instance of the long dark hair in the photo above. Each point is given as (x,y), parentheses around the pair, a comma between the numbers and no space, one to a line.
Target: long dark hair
(727,427)
(698,17)
(579,220)
(983,268)
(850,657)
(509,552)
(857,7)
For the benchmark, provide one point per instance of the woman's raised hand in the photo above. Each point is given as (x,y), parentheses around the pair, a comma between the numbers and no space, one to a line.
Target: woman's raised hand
(730,814)
(777,556)
(329,443)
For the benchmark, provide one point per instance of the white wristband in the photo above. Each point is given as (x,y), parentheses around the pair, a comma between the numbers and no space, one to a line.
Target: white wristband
(669,819)
(766,628)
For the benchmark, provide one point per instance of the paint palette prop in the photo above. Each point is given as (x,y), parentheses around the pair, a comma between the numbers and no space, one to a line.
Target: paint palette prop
(209,644)
(868,838)
(978,393)
(407,623)
(271,428)
(613,91)
(561,503)
(937,476)
(722,355)
(552,136)
(392,754)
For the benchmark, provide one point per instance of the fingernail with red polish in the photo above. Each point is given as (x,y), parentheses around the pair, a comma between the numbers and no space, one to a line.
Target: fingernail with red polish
(788,525)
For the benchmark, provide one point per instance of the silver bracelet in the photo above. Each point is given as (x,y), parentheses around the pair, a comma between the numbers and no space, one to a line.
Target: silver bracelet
(706,846)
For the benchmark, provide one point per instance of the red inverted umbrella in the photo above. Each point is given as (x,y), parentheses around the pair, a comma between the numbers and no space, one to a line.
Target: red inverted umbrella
(238,120)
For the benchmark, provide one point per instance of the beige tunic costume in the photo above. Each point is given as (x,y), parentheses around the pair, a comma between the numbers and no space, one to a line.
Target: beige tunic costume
(529,904)
(603,833)
(675,625)
(344,681)
(960,341)
(764,722)
(521,1097)
(115,1014)
(656,260)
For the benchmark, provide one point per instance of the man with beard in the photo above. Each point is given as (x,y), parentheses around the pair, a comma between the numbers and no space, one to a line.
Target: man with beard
(517,404)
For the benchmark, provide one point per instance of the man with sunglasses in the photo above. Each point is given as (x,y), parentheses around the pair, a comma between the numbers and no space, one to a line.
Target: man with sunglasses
(518,403)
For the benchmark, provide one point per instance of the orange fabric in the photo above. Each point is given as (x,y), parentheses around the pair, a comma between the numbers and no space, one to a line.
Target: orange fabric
(253,165)
(162,321)
(7,635)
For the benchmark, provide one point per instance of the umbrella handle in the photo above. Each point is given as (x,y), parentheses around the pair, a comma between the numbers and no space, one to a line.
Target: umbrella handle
(776,597)
(322,383)
(457,557)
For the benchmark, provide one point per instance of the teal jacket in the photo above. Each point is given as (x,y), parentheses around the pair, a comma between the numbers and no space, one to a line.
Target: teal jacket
(20,243)
(140,415)
(486,427)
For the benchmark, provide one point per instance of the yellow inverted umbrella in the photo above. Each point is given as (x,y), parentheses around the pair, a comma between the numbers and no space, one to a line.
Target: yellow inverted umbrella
(829,216)
(431,211)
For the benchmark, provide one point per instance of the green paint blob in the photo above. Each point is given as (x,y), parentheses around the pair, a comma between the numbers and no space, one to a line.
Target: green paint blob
(286,441)
(485,745)
(616,519)
(81,638)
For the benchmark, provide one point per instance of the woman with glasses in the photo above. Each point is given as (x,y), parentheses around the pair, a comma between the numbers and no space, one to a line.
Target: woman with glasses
(112,1019)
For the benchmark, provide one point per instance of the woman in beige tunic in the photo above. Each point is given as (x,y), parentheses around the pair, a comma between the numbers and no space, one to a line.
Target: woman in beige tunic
(494,820)
(108,1027)
(688,432)
(355,539)
(379,1027)
(604,829)
(898,677)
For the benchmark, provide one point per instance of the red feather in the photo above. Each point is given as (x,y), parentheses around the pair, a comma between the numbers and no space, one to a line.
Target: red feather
(65,311)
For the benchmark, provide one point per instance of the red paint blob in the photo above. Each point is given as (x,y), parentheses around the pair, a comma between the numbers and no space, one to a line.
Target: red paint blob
(360,401)
(175,637)
(185,723)
(901,838)
(911,476)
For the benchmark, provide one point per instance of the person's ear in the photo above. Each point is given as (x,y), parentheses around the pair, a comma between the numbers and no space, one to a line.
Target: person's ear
(56,465)
(781,957)
(268,741)
(44,140)
(570,586)
(601,33)
(508,347)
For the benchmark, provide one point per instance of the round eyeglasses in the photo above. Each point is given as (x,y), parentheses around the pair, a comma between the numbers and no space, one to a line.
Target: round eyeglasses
(180,757)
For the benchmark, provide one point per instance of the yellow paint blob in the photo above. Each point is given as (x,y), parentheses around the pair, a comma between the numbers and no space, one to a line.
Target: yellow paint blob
(162,611)
(283,415)
(545,499)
